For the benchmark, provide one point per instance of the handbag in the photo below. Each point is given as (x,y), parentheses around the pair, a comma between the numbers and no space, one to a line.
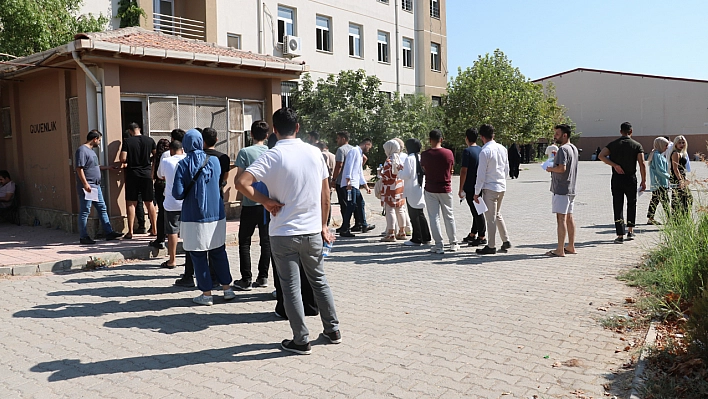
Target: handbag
(378,188)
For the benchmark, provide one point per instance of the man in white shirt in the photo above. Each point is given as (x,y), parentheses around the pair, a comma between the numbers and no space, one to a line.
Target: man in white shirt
(172,206)
(297,180)
(490,186)
(352,180)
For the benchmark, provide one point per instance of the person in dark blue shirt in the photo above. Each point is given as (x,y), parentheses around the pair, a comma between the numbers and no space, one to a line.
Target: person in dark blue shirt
(468,177)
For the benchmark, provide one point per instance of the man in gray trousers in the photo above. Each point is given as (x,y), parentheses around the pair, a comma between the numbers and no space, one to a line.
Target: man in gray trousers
(297,180)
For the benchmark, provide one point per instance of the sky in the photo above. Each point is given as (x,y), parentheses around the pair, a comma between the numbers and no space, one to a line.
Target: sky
(545,37)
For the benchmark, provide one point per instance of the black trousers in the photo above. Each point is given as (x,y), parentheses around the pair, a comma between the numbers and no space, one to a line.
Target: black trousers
(308,296)
(479,226)
(659,195)
(514,169)
(421,230)
(681,199)
(140,212)
(624,186)
(160,200)
(252,217)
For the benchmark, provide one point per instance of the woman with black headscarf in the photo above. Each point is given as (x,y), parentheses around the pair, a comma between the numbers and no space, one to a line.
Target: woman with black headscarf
(514,161)
(413,178)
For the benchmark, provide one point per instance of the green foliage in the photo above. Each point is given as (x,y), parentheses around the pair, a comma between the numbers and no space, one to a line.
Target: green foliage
(129,13)
(352,101)
(493,91)
(31,26)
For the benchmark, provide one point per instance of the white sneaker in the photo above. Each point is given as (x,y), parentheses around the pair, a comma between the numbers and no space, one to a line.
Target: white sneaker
(412,244)
(454,247)
(204,300)
(229,294)
(437,250)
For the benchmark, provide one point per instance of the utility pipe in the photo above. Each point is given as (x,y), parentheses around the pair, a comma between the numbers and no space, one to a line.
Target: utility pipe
(398,51)
(260,27)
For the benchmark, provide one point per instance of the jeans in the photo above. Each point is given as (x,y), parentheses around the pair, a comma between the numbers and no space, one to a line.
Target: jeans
(493,201)
(342,200)
(659,195)
(252,217)
(479,226)
(354,207)
(624,186)
(421,232)
(435,202)
(85,210)
(215,258)
(289,252)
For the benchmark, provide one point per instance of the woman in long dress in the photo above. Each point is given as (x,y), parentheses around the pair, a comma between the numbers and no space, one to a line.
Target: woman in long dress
(392,193)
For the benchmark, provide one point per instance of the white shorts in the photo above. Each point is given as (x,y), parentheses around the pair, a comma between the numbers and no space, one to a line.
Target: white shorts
(563,204)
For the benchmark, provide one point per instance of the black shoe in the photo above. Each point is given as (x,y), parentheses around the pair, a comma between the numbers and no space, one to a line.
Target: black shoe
(355,228)
(477,242)
(243,285)
(87,241)
(113,235)
(368,228)
(139,230)
(157,244)
(486,251)
(619,240)
(630,237)
(261,283)
(506,245)
(185,282)
(291,346)
(346,234)
(335,337)
(469,239)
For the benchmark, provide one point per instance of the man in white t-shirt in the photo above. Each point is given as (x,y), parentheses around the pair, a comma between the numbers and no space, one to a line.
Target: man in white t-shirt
(297,180)
(172,206)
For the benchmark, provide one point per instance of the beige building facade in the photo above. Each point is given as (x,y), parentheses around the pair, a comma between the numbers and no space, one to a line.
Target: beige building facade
(599,101)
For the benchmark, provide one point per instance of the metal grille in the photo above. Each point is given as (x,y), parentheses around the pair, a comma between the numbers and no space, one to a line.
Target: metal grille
(74,125)
(162,112)
(286,89)
(214,114)
(6,123)
(236,136)
(186,113)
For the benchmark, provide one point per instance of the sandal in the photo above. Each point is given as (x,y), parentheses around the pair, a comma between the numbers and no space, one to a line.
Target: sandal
(400,236)
(568,252)
(553,254)
(128,236)
(389,238)
(165,265)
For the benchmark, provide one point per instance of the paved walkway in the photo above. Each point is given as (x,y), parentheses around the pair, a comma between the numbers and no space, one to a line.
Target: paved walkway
(414,324)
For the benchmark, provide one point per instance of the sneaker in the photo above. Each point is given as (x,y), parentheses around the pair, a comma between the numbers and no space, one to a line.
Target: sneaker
(454,247)
(355,228)
(619,240)
(346,234)
(204,300)
(335,337)
(187,282)
(487,250)
(408,231)
(506,245)
(87,241)
(469,239)
(229,294)
(410,243)
(291,346)
(113,235)
(477,242)
(437,250)
(630,237)
(243,285)
(365,229)
(261,283)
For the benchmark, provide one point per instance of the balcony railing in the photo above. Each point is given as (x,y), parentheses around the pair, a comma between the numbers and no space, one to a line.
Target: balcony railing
(177,26)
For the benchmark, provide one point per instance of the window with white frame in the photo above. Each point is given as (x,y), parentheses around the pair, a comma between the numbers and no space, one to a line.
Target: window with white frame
(435,57)
(286,22)
(435,8)
(355,48)
(407,52)
(383,46)
(233,40)
(407,5)
(324,35)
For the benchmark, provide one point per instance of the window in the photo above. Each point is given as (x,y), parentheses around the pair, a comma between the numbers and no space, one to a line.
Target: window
(407,52)
(435,57)
(286,22)
(435,8)
(355,41)
(5,123)
(383,1)
(383,46)
(324,41)
(286,89)
(436,101)
(233,40)
(407,5)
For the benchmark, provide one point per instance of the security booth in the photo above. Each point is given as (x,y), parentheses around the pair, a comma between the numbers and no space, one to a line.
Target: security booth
(49,101)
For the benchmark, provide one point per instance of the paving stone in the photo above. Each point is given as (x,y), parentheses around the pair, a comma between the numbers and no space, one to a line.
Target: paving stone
(24,270)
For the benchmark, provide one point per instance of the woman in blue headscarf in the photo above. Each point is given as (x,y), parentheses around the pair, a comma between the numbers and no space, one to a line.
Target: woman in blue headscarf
(203,220)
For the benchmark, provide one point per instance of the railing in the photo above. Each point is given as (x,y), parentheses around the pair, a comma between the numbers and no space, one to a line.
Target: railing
(177,26)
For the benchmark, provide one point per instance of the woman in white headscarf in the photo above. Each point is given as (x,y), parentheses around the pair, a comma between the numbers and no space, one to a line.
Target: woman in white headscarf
(392,192)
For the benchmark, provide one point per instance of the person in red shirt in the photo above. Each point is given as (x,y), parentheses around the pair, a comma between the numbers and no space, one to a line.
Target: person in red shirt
(438,162)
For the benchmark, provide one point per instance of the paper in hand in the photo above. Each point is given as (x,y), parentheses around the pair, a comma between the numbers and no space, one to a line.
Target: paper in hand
(92,196)
(480,206)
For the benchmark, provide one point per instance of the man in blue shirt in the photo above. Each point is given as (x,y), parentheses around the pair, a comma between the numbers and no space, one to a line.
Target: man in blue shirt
(468,177)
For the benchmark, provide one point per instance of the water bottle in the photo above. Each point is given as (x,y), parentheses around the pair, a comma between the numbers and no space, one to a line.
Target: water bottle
(327,246)
(349,195)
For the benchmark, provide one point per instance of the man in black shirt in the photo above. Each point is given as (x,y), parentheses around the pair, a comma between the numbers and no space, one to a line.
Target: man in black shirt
(136,156)
(623,155)
(210,137)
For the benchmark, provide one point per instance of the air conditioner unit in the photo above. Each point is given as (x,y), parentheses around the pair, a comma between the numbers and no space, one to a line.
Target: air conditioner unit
(292,46)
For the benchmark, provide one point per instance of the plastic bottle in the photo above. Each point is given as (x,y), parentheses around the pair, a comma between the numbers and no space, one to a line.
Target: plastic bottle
(327,246)
(349,195)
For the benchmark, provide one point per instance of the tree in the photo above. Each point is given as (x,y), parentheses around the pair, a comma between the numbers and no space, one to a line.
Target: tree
(352,101)
(129,13)
(32,26)
(493,91)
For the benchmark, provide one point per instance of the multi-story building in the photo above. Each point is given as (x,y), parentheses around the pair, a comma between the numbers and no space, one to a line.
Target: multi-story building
(402,42)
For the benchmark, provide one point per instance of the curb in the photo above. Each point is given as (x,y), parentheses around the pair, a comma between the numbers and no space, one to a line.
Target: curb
(638,380)
(79,263)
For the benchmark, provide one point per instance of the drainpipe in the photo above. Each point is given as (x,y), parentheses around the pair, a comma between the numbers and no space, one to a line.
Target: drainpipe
(260,26)
(398,52)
